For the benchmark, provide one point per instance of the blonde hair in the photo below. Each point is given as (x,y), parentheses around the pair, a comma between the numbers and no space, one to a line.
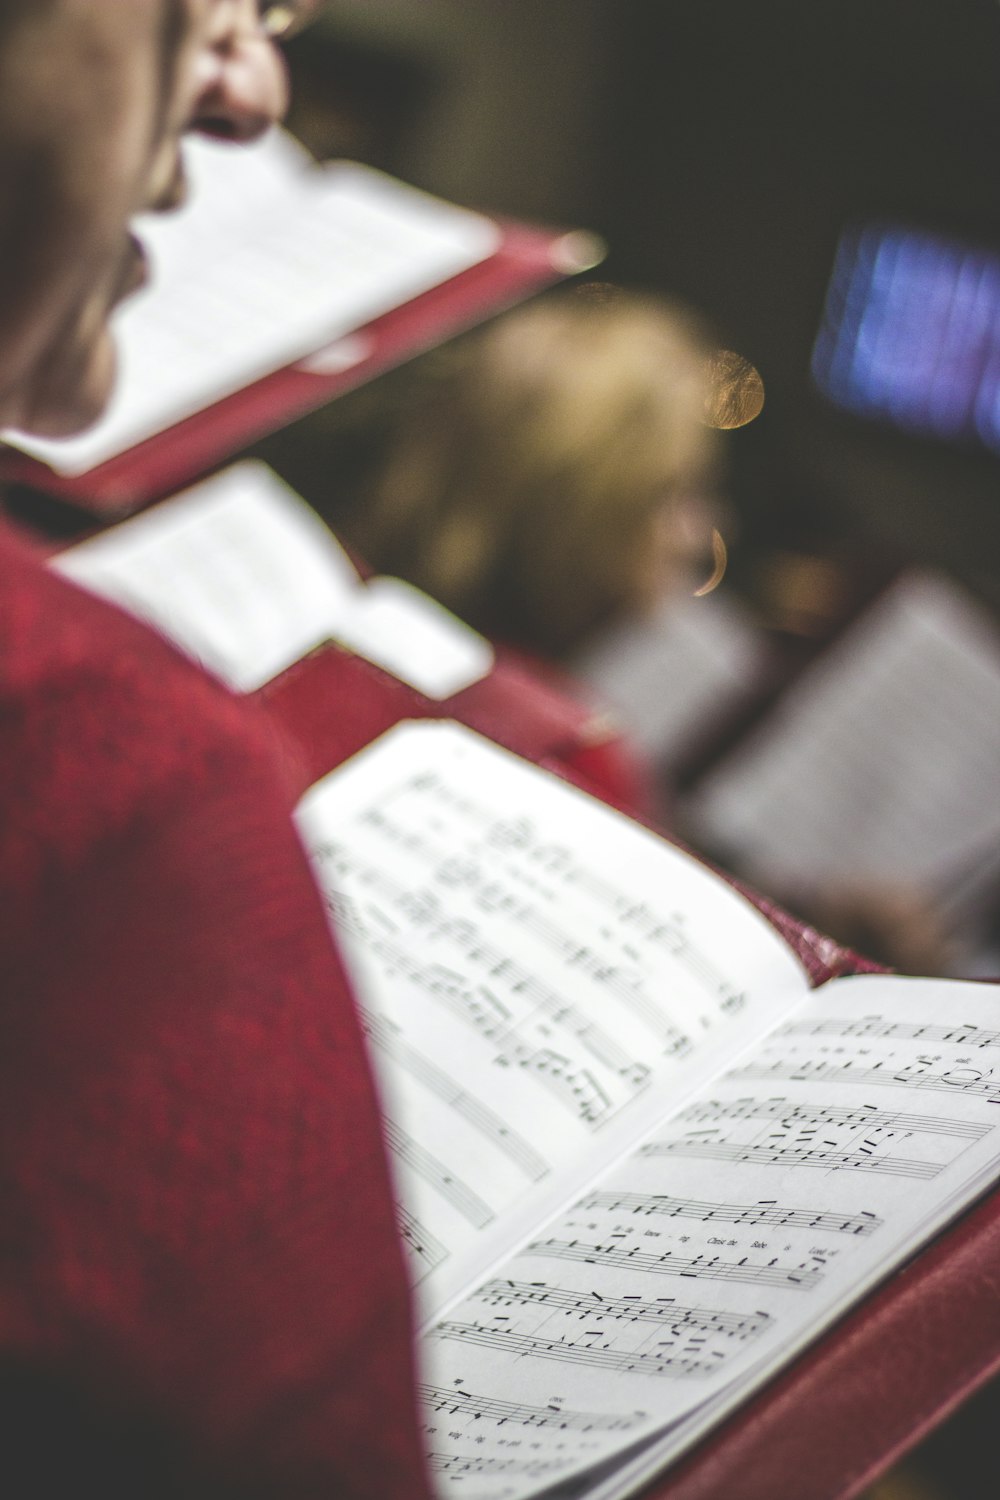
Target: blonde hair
(523,489)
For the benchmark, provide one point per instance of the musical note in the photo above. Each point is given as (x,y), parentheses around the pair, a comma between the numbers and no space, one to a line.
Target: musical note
(656,928)
(766,1212)
(796,1156)
(877,1026)
(626,983)
(454,1463)
(424,909)
(427,1166)
(968,1082)
(863,1117)
(576,1087)
(460,1403)
(423,1246)
(571,1351)
(708,1267)
(491,1125)
(664,1311)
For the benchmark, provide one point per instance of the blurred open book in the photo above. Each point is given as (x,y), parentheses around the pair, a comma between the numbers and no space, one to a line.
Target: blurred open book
(879,764)
(273,261)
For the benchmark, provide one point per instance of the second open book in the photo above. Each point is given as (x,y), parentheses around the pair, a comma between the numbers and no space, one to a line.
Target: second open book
(640,1163)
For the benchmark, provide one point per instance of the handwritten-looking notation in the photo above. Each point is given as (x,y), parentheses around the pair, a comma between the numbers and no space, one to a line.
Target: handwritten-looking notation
(958,1081)
(483,1119)
(462,1403)
(426,1251)
(825,1157)
(581,1351)
(870,1027)
(664,1312)
(864,1117)
(766,1213)
(705,1267)
(458,1193)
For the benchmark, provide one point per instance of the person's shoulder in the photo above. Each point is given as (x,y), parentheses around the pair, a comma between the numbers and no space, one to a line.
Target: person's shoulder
(99,716)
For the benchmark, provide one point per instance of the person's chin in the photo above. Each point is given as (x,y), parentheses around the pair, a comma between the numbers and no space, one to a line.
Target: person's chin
(67,407)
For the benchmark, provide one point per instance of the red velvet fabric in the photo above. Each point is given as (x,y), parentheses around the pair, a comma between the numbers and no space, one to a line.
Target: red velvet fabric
(195,1222)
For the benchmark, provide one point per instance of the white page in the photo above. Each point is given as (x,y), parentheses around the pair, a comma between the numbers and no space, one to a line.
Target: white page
(672,677)
(243,575)
(881,763)
(238,571)
(271,259)
(734,1234)
(410,635)
(536,972)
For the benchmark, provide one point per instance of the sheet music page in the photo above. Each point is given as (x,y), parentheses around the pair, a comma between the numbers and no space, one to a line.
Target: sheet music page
(272,258)
(538,976)
(882,761)
(672,677)
(732,1235)
(409,634)
(243,575)
(238,571)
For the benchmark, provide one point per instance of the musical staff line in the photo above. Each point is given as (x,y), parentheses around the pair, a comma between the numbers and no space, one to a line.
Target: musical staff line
(490,895)
(423,1246)
(664,932)
(965,1035)
(424,909)
(434,1172)
(480,1116)
(459,1403)
(479,1008)
(705,1267)
(664,1312)
(976,1086)
(456,1463)
(568,1351)
(766,1212)
(622,982)
(863,1117)
(825,1158)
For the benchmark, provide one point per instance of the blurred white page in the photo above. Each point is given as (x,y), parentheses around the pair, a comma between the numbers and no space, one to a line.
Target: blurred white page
(673,676)
(412,636)
(272,258)
(243,576)
(882,762)
(238,572)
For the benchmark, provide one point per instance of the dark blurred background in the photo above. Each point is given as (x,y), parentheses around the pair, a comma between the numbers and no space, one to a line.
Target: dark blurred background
(720,147)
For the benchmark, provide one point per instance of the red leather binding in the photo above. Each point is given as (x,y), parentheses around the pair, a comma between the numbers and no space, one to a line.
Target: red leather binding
(336,703)
(527,260)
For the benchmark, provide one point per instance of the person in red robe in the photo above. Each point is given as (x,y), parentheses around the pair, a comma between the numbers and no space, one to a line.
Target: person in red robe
(201,1287)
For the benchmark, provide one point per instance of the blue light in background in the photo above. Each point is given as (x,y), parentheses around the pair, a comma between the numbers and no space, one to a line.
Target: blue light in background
(911,333)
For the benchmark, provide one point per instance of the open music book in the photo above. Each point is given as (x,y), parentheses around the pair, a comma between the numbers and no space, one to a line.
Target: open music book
(882,758)
(241,574)
(640,1163)
(281,284)
(272,259)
